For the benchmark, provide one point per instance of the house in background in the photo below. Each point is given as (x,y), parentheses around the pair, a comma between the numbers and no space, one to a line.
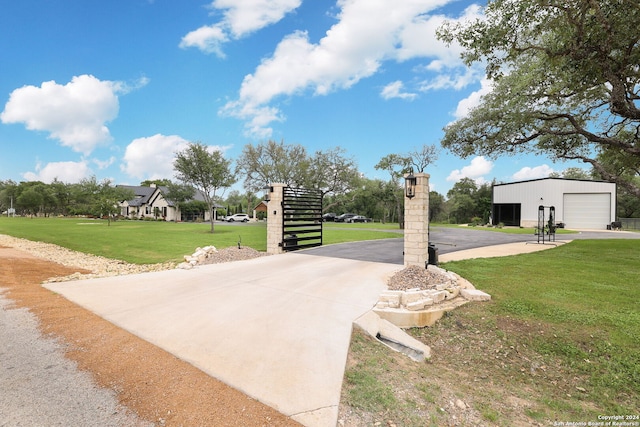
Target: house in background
(150,202)
(579,204)
(260,211)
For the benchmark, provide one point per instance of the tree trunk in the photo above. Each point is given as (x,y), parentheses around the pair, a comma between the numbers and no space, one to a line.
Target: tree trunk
(211,213)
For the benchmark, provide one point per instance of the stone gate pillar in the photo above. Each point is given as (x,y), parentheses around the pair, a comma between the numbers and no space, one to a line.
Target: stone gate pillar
(275,224)
(416,223)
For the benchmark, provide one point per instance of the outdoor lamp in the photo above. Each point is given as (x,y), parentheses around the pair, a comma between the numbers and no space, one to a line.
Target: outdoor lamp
(267,193)
(410,182)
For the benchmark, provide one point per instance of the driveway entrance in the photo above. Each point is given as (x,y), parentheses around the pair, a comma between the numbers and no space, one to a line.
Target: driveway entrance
(276,327)
(447,240)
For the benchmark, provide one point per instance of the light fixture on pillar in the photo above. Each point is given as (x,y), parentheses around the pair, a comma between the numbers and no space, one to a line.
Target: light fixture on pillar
(267,193)
(410,182)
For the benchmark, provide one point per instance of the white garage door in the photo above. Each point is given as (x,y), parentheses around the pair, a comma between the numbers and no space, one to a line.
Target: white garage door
(587,211)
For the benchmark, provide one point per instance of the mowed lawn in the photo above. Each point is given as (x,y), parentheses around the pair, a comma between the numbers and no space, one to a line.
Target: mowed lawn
(559,341)
(585,297)
(574,309)
(144,242)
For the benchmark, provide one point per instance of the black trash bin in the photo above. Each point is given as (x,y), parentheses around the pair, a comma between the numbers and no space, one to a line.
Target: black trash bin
(291,241)
(433,254)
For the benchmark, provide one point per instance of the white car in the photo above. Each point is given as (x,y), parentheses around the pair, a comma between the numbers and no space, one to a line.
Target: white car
(237,217)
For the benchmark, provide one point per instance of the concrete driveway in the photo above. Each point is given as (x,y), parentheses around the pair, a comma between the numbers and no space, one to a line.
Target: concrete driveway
(276,328)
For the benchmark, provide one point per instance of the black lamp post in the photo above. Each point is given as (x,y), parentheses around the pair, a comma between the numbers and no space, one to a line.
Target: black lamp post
(267,193)
(410,182)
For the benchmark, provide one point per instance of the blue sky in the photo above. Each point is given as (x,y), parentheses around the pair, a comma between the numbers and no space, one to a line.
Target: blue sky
(114,89)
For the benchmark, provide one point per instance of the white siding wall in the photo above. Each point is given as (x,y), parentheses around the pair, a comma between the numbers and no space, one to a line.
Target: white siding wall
(550,192)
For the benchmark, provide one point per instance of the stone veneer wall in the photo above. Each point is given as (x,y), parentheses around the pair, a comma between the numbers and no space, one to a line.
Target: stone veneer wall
(416,224)
(275,225)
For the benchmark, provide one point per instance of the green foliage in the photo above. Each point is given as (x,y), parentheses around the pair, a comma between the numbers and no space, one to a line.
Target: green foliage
(89,197)
(156,182)
(437,207)
(30,201)
(330,171)
(102,198)
(193,209)
(571,89)
(467,201)
(272,162)
(206,170)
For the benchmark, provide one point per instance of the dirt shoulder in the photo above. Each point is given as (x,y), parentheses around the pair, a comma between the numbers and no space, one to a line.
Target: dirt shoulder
(149,381)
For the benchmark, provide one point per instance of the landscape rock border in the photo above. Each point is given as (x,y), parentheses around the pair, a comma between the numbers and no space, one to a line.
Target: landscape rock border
(419,297)
(99,266)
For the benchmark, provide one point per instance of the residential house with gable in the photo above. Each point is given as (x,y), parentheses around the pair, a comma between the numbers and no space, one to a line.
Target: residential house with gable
(150,202)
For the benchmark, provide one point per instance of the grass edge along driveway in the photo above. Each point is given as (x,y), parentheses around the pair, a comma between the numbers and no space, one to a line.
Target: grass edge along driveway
(558,342)
(148,242)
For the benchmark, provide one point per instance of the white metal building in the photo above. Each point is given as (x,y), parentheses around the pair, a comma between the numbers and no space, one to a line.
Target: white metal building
(579,204)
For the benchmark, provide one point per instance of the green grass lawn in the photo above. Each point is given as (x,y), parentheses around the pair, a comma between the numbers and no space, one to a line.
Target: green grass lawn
(587,293)
(562,333)
(572,309)
(143,242)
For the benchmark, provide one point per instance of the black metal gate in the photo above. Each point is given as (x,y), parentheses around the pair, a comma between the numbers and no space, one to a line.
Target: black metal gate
(547,227)
(301,219)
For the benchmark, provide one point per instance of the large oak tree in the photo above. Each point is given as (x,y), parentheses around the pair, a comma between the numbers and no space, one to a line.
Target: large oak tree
(566,82)
(206,170)
(330,171)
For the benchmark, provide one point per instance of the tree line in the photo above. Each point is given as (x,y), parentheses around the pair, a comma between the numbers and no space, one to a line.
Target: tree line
(565,85)
(332,172)
(88,197)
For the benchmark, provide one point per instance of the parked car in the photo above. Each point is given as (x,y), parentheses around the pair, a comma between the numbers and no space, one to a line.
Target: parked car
(328,217)
(344,217)
(358,218)
(237,217)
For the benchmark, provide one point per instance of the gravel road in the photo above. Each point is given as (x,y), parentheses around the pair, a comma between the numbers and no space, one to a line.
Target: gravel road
(61,365)
(40,387)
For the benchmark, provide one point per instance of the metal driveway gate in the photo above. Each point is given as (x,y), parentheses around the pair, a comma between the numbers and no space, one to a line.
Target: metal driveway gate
(301,219)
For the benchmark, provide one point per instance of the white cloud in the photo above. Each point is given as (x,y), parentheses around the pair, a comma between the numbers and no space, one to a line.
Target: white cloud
(123,88)
(152,157)
(246,16)
(526,173)
(473,100)
(476,170)
(208,39)
(368,33)
(240,17)
(395,90)
(453,79)
(103,164)
(418,37)
(75,114)
(67,172)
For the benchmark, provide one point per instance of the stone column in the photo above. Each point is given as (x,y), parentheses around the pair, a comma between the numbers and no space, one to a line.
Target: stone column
(275,225)
(416,223)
